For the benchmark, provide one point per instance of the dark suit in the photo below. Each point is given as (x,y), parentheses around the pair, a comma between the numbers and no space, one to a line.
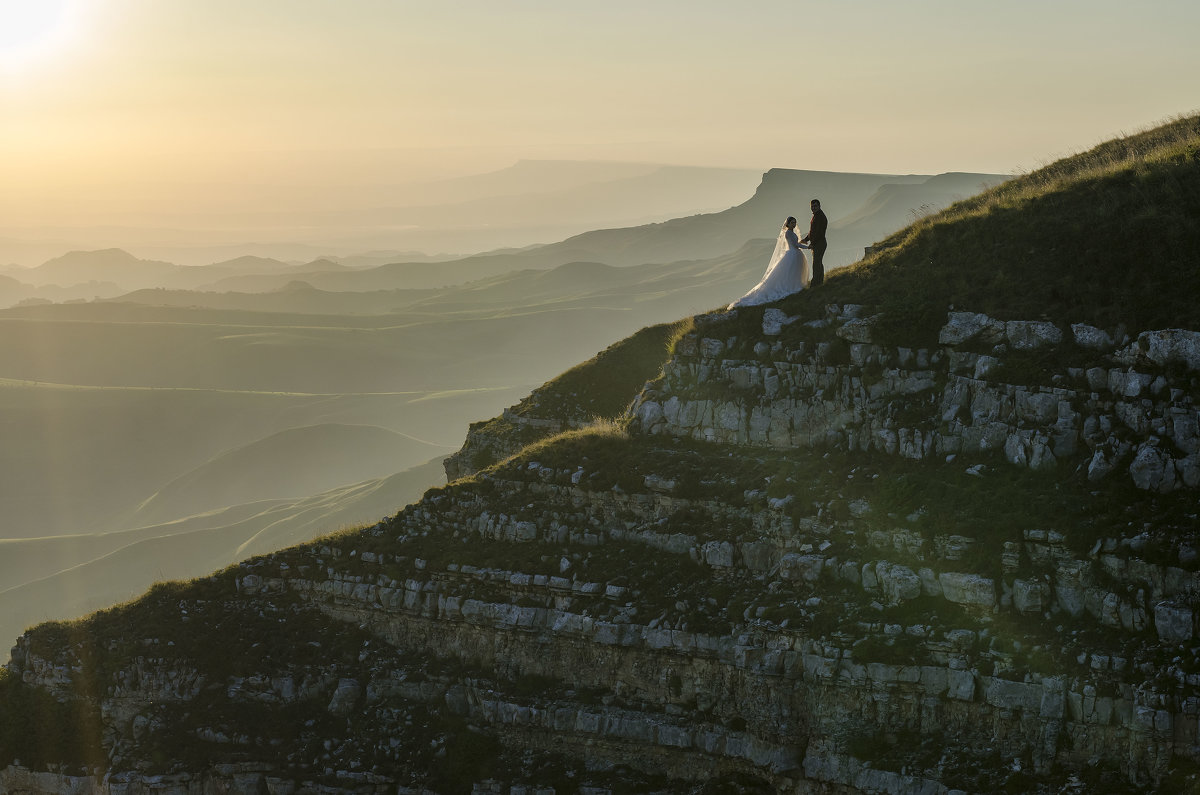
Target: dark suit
(816,239)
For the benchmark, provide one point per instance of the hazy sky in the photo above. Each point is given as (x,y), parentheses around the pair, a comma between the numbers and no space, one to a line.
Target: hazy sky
(120,102)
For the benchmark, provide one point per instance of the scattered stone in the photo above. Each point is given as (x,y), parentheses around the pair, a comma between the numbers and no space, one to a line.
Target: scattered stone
(1153,469)
(774,320)
(345,697)
(1091,337)
(857,329)
(962,326)
(968,590)
(1174,623)
(899,583)
(1025,335)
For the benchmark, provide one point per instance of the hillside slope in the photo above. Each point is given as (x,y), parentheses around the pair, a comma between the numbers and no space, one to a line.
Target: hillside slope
(875,538)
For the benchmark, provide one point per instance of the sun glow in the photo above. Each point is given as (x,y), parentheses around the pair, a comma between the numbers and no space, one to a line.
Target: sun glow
(34,29)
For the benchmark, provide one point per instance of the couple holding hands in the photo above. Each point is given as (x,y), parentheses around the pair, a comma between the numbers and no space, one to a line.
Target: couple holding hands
(788,270)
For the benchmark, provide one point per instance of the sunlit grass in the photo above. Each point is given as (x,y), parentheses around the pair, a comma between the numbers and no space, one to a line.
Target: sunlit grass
(1107,237)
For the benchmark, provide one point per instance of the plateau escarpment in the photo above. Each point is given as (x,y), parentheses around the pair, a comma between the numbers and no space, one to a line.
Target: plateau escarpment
(852,542)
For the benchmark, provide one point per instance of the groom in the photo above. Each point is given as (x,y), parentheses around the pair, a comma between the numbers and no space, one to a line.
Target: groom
(816,239)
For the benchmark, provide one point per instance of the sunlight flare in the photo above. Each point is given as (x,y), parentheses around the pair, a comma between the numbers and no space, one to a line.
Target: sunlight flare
(33,30)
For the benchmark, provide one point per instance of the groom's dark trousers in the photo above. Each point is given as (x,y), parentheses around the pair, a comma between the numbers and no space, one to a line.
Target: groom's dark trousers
(818,264)
(816,239)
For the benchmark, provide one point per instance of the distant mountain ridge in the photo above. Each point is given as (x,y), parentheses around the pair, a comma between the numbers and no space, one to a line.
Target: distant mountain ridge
(780,193)
(862,209)
(111,264)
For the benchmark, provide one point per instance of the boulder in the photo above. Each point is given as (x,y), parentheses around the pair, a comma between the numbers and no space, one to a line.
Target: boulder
(960,685)
(1006,694)
(718,554)
(774,320)
(1026,335)
(899,583)
(650,414)
(1091,337)
(801,567)
(968,590)
(857,329)
(1153,469)
(1171,345)
(1027,596)
(1127,384)
(1174,623)
(345,697)
(962,326)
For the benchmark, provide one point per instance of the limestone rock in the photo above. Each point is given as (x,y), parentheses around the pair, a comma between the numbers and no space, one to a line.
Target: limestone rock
(857,329)
(1174,623)
(1153,469)
(1027,596)
(711,348)
(345,697)
(1127,383)
(650,414)
(960,685)
(930,584)
(774,320)
(899,583)
(1169,345)
(801,567)
(1091,337)
(968,590)
(1025,335)
(962,326)
(718,554)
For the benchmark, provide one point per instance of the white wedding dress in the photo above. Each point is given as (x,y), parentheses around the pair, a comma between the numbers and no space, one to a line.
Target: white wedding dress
(787,273)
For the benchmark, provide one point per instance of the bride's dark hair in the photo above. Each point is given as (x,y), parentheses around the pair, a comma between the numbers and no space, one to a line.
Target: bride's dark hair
(791,219)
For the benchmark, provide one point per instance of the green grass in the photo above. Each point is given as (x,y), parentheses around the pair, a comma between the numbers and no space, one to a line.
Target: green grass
(598,389)
(1110,236)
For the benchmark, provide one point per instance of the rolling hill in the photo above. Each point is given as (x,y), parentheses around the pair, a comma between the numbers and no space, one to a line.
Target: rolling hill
(292,463)
(62,576)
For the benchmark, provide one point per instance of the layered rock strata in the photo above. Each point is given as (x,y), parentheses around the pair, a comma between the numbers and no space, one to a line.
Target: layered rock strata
(759,588)
(840,389)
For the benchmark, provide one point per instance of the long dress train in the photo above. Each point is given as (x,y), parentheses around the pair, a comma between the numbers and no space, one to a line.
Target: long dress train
(787,273)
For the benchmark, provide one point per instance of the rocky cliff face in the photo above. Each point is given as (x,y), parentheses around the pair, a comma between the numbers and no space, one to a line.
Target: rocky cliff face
(816,561)
(1132,409)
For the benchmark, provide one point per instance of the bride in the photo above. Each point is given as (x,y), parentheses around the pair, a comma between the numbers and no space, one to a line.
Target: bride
(787,272)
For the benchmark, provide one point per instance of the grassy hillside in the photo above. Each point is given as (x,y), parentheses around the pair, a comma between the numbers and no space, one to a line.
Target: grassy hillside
(1110,236)
(599,389)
